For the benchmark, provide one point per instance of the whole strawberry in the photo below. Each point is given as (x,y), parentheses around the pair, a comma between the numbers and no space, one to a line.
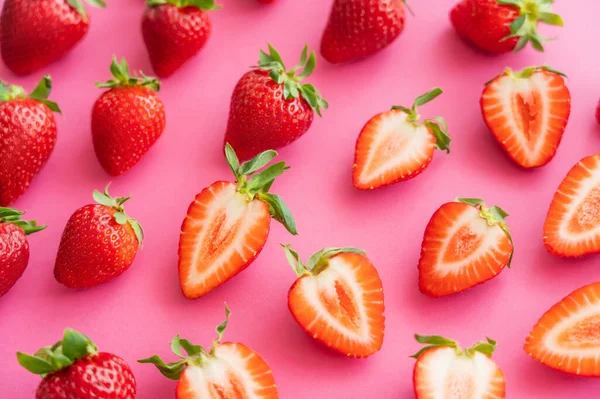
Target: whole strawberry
(270,108)
(500,26)
(14,248)
(126,120)
(175,31)
(74,369)
(27,136)
(36,33)
(98,244)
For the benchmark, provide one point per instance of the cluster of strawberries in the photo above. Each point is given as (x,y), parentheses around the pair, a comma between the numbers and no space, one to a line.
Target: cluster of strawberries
(338,295)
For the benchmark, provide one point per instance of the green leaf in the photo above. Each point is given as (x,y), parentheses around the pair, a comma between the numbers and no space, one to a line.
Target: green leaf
(192,350)
(43,89)
(521,43)
(256,163)
(275,56)
(433,341)
(309,67)
(103,199)
(76,346)
(536,42)
(257,182)
(221,327)
(97,3)
(551,18)
(123,78)
(176,347)
(120,217)
(439,128)
(279,211)
(550,69)
(427,97)
(137,229)
(402,108)
(78,6)
(471,201)
(517,24)
(510,2)
(294,260)
(34,364)
(232,160)
(170,370)
(322,257)
(487,348)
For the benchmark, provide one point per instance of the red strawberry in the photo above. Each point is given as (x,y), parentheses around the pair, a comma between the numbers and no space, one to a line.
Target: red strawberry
(34,34)
(270,108)
(465,244)
(443,370)
(266,1)
(598,113)
(359,28)
(74,369)
(527,112)
(338,300)
(227,224)
(126,120)
(175,31)
(27,136)
(395,146)
(229,370)
(14,248)
(500,26)
(98,244)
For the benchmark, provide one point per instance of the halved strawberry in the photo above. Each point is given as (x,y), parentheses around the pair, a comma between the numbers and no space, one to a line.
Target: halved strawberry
(394,146)
(444,370)
(338,300)
(229,371)
(227,224)
(527,112)
(572,226)
(465,244)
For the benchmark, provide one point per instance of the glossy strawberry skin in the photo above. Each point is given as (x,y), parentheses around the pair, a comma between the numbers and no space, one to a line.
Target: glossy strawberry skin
(14,255)
(126,122)
(27,138)
(173,35)
(260,117)
(36,33)
(100,376)
(598,113)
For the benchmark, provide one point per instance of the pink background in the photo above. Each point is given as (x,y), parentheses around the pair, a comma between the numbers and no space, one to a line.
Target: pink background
(138,314)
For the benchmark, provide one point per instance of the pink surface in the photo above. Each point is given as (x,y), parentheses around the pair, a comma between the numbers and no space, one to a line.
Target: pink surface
(138,314)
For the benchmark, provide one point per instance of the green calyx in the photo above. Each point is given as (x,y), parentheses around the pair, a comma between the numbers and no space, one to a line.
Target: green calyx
(527,72)
(525,26)
(437,125)
(73,347)
(78,5)
(255,184)
(205,5)
(493,216)
(292,88)
(13,216)
(194,354)
(122,77)
(316,263)
(486,347)
(120,216)
(40,93)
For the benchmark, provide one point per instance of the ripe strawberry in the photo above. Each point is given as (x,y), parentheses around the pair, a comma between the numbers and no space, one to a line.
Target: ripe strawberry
(598,113)
(394,146)
(175,31)
(269,107)
(227,224)
(34,34)
(465,244)
(27,136)
(126,120)
(338,300)
(98,244)
(14,248)
(266,1)
(74,369)
(501,26)
(443,370)
(359,28)
(229,370)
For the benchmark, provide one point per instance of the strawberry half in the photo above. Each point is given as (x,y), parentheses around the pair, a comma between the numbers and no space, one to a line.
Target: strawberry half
(465,244)
(229,370)
(527,112)
(444,370)
(227,224)
(338,300)
(395,146)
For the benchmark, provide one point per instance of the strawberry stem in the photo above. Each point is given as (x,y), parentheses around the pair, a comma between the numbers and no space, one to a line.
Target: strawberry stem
(120,216)
(435,341)
(122,77)
(78,6)
(205,5)
(316,263)
(41,92)
(13,216)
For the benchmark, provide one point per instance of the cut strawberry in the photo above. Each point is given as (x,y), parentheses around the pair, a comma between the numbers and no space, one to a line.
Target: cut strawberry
(465,244)
(338,300)
(527,112)
(394,146)
(444,370)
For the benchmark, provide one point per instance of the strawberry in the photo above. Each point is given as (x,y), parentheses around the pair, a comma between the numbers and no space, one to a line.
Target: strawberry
(571,226)
(395,146)
(270,108)
(175,31)
(34,34)
(74,369)
(14,248)
(501,26)
(359,28)
(338,300)
(266,1)
(98,244)
(465,244)
(598,113)
(229,370)
(227,224)
(527,112)
(127,119)
(27,136)
(443,370)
